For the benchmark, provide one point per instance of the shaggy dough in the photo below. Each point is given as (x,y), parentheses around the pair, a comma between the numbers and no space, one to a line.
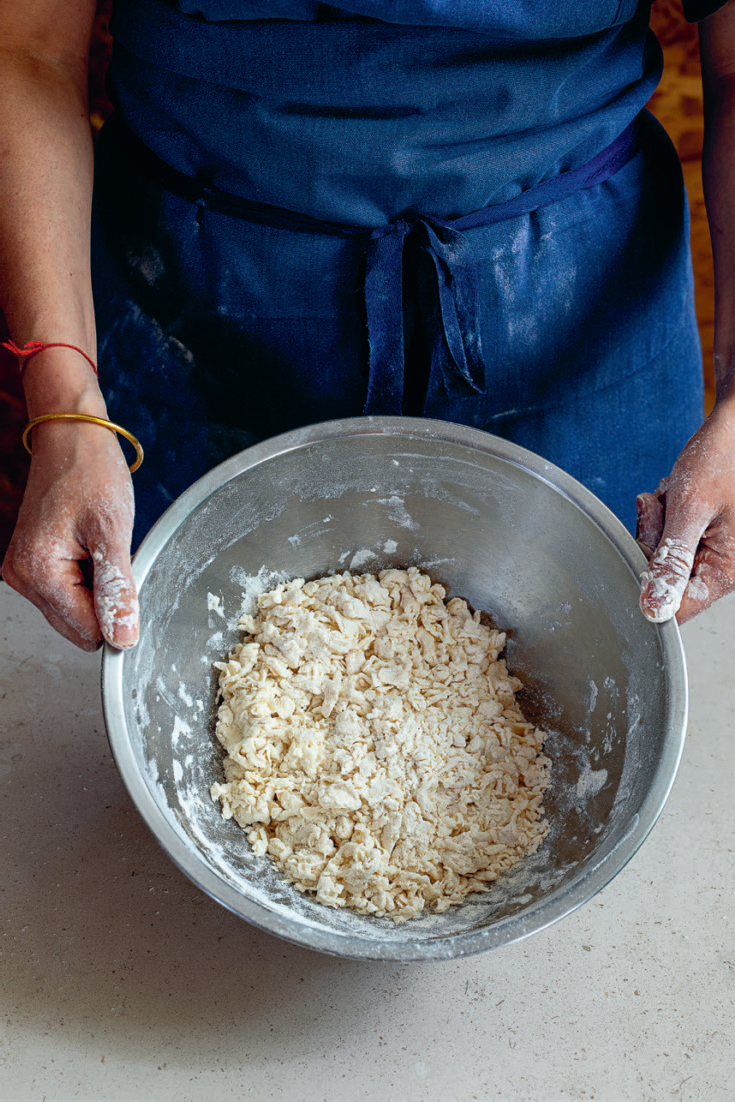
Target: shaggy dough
(374,747)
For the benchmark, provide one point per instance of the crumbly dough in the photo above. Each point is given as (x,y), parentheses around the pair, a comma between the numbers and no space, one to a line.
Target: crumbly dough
(374,747)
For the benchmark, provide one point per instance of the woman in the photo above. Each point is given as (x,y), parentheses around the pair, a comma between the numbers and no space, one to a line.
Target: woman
(305,212)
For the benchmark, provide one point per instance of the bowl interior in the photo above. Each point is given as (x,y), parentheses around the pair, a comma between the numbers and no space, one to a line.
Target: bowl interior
(494,524)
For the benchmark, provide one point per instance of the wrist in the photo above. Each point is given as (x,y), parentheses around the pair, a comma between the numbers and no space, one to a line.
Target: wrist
(723,412)
(84,419)
(59,380)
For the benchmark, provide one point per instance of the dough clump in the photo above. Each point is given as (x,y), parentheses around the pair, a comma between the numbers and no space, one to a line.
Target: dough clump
(375,750)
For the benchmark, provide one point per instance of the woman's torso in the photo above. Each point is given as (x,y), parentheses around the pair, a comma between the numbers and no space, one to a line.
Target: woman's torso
(352,116)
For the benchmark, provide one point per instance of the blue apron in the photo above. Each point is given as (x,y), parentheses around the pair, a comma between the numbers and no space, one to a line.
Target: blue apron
(323,213)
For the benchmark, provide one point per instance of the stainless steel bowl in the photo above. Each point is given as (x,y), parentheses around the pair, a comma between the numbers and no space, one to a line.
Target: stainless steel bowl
(514,535)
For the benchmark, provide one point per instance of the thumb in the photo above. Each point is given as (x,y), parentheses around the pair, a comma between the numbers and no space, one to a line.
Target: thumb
(664,581)
(115,596)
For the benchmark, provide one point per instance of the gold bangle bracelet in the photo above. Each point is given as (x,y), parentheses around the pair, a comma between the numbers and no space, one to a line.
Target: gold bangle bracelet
(93,421)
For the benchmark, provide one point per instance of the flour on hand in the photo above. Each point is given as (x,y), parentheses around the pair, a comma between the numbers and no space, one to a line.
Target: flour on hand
(374,747)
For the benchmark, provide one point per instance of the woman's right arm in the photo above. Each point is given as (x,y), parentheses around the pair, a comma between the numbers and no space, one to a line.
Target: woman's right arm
(78,503)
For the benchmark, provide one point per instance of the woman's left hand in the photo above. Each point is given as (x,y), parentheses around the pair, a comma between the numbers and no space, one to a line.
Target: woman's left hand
(688,525)
(689,522)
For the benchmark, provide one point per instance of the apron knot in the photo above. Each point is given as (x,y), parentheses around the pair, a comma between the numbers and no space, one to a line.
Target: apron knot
(440,264)
(448,301)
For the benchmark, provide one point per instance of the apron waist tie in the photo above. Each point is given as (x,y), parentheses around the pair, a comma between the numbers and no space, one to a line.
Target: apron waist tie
(453,317)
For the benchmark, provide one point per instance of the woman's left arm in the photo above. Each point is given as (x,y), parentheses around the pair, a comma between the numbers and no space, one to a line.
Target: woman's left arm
(690,521)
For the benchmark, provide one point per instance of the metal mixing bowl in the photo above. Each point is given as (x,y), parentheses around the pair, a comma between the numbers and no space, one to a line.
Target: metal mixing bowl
(514,535)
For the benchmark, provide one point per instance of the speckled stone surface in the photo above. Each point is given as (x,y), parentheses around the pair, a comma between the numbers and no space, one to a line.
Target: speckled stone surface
(120,980)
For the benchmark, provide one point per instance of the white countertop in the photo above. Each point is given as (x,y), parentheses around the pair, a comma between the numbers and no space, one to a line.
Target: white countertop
(121,980)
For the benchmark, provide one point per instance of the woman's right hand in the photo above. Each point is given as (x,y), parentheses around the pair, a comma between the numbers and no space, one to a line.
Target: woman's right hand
(78,504)
(78,508)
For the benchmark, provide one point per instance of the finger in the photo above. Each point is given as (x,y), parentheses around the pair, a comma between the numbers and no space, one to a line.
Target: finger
(650,522)
(712,578)
(697,597)
(664,582)
(53,583)
(661,489)
(115,595)
(58,623)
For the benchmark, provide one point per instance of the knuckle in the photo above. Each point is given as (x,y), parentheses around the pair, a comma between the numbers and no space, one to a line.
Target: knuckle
(111,527)
(21,567)
(9,575)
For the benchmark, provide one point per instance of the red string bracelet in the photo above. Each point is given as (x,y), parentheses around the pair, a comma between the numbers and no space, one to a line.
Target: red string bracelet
(32,348)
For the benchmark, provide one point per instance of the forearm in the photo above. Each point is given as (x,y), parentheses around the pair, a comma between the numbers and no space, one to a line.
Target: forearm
(689,522)
(717,47)
(45,202)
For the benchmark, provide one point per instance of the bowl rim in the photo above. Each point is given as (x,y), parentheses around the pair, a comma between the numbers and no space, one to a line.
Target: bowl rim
(513,928)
